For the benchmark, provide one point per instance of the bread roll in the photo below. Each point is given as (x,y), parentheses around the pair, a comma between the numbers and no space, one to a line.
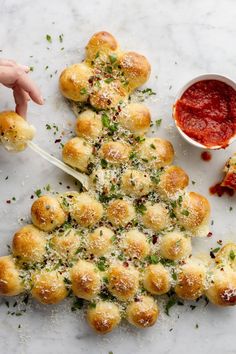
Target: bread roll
(10,281)
(156,279)
(175,246)
(104,317)
(87,211)
(193,213)
(135,244)
(123,281)
(135,183)
(77,153)
(155,152)
(136,118)
(100,46)
(142,313)
(48,287)
(136,69)
(47,214)
(15,132)
(88,125)
(85,280)
(172,180)
(156,217)
(120,212)
(115,152)
(29,244)
(74,82)
(100,241)
(191,282)
(222,289)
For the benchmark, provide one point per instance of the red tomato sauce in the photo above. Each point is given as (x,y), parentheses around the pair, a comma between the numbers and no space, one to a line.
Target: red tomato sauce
(206,112)
(220,190)
(206,156)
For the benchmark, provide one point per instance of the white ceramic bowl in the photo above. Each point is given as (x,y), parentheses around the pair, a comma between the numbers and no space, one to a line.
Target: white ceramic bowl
(218,77)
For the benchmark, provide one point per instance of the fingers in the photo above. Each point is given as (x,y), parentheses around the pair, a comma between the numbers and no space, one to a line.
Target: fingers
(21,98)
(29,86)
(8,62)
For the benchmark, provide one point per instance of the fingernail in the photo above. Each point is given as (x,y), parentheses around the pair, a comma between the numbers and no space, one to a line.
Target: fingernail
(41,100)
(25,68)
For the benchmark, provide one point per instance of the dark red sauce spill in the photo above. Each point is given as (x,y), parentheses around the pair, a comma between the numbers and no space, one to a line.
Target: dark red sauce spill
(220,190)
(206,156)
(206,112)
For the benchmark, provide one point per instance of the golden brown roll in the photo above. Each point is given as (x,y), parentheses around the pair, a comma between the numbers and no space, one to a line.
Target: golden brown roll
(175,246)
(15,131)
(103,180)
(142,313)
(136,69)
(77,153)
(191,280)
(222,289)
(227,256)
(66,244)
(29,244)
(48,287)
(136,183)
(155,152)
(156,279)
(107,94)
(88,125)
(156,217)
(115,152)
(135,244)
(193,213)
(123,281)
(86,211)
(120,212)
(74,82)
(47,214)
(171,181)
(104,317)
(86,280)
(10,281)
(100,241)
(136,118)
(100,46)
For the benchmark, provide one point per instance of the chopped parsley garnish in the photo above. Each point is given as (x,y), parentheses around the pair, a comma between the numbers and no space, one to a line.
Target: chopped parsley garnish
(61,38)
(38,192)
(49,38)
(232,255)
(158,122)
(102,264)
(112,58)
(83,91)
(153,259)
(170,303)
(153,146)
(140,139)
(105,120)
(104,163)
(77,304)
(140,208)
(109,80)
(133,155)
(185,212)
(148,91)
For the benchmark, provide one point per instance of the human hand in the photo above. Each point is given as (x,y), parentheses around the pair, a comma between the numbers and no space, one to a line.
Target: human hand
(15,76)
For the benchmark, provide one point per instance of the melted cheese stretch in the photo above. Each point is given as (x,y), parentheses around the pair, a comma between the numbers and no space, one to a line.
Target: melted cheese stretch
(127,240)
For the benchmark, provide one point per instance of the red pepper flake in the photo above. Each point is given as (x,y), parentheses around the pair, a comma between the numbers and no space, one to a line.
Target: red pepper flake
(154,239)
(125,264)
(212,255)
(219,242)
(32,197)
(57,141)
(209,234)
(8,201)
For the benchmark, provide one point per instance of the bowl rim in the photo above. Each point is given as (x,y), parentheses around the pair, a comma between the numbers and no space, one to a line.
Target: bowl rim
(205,76)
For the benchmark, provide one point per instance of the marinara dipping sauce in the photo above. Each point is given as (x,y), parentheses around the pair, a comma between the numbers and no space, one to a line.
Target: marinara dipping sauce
(206,112)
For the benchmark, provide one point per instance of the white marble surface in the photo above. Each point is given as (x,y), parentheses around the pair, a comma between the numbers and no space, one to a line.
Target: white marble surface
(181,38)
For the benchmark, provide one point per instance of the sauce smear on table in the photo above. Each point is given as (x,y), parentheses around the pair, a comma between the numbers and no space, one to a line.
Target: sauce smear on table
(206,112)
(206,156)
